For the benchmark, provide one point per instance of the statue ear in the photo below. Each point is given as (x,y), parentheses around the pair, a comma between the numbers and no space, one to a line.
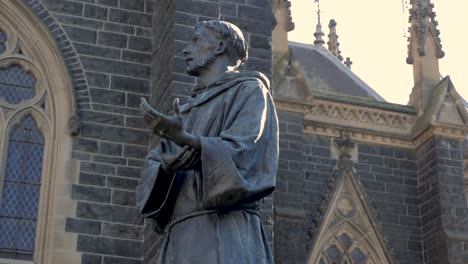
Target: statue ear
(222,48)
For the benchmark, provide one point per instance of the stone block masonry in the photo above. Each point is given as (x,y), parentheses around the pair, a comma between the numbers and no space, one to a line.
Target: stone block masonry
(443,206)
(112,40)
(389,176)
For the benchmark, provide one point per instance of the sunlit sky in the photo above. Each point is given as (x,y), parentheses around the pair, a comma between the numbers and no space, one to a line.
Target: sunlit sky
(371,32)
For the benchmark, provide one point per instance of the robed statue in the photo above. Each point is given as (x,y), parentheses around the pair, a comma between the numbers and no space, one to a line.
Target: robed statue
(203,185)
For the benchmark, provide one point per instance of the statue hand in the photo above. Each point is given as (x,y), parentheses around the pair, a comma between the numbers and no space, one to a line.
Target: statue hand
(183,160)
(170,127)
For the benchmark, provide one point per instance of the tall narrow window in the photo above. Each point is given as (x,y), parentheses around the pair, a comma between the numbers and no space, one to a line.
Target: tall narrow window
(37,102)
(21,164)
(21,187)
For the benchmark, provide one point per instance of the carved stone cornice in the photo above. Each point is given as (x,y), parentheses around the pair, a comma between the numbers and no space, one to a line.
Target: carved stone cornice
(362,117)
(371,124)
(356,134)
(443,130)
(291,105)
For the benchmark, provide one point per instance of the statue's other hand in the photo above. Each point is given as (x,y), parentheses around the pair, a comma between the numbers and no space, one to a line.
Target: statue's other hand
(169,127)
(185,159)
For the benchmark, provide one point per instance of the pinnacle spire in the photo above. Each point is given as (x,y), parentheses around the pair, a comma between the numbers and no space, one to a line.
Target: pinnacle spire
(333,44)
(424,52)
(423,26)
(318,30)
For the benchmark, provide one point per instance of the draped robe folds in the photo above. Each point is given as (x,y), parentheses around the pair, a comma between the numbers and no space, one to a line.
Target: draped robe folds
(210,213)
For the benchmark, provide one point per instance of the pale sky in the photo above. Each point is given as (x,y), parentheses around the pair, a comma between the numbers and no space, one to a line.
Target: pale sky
(371,33)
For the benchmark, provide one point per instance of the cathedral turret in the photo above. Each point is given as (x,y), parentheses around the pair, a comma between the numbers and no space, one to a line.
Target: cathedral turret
(424,52)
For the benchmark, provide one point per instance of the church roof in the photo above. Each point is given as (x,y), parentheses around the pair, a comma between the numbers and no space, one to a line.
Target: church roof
(322,71)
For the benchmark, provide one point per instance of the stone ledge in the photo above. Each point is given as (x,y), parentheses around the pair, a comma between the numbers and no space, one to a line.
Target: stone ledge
(298,214)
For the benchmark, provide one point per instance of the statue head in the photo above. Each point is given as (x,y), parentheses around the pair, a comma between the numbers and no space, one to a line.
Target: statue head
(215,41)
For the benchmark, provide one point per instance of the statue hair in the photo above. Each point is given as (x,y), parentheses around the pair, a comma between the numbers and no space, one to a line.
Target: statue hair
(232,35)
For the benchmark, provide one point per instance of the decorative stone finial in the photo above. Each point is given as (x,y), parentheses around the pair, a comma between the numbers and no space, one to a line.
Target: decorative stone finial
(333,44)
(345,145)
(289,24)
(318,30)
(423,26)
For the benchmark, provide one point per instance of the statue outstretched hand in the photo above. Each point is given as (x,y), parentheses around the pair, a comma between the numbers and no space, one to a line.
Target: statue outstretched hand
(169,127)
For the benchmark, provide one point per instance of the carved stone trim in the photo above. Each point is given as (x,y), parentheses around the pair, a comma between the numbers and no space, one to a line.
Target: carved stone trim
(74,125)
(291,105)
(345,147)
(342,114)
(365,123)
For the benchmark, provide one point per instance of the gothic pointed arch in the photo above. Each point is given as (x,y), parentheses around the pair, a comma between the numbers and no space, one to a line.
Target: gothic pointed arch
(37,102)
(58,37)
(345,229)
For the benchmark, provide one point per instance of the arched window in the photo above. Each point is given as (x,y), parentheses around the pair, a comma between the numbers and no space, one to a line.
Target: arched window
(36,103)
(23,150)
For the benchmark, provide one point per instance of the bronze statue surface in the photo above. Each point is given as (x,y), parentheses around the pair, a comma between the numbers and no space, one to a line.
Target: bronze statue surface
(203,185)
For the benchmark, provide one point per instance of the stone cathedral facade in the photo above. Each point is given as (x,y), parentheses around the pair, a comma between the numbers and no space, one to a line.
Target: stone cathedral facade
(360,180)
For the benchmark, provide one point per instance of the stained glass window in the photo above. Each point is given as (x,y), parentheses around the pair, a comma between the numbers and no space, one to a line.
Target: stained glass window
(16,84)
(20,195)
(3,39)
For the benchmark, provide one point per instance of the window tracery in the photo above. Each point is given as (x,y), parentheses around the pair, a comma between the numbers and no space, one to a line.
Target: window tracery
(16,85)
(43,104)
(346,230)
(23,127)
(341,249)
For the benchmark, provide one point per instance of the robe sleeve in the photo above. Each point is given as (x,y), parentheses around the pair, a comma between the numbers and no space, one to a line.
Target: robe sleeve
(156,191)
(239,166)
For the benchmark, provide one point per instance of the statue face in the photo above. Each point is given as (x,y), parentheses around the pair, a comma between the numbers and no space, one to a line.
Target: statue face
(200,53)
